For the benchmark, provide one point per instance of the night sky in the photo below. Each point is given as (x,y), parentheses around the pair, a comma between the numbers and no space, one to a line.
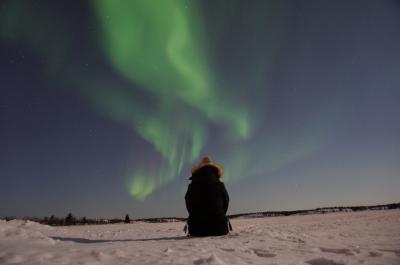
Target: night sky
(106,105)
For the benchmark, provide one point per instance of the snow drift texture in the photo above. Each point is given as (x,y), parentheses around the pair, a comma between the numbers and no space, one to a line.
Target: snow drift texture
(371,237)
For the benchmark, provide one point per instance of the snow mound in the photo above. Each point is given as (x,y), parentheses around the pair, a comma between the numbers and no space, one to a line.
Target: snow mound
(24,230)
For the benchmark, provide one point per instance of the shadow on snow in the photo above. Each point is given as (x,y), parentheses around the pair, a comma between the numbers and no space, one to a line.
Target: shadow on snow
(93,241)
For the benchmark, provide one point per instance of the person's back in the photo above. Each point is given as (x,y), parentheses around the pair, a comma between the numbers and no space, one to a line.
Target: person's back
(207,201)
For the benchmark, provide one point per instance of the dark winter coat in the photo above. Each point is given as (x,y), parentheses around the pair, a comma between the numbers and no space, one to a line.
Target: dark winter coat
(207,203)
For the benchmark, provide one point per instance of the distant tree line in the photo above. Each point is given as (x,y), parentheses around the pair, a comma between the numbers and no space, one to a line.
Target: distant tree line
(320,210)
(72,220)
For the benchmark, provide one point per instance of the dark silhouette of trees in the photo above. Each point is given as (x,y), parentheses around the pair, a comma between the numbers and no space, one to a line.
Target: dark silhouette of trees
(52,220)
(127,219)
(70,219)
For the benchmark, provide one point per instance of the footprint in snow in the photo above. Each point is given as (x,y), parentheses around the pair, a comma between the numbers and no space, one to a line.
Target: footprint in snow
(296,239)
(324,261)
(344,251)
(227,249)
(374,254)
(263,253)
(395,251)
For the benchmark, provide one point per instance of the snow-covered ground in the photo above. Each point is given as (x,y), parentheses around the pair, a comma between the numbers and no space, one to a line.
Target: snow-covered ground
(370,237)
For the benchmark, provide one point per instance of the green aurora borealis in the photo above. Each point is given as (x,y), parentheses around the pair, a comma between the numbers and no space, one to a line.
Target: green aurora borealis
(161,47)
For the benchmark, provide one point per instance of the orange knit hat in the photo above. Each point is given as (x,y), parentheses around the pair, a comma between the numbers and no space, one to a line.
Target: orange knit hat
(206,161)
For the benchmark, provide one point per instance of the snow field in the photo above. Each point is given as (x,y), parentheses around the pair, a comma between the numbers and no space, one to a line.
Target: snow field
(370,237)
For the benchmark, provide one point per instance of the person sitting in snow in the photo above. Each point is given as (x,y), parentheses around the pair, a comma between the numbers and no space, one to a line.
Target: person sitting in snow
(207,200)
